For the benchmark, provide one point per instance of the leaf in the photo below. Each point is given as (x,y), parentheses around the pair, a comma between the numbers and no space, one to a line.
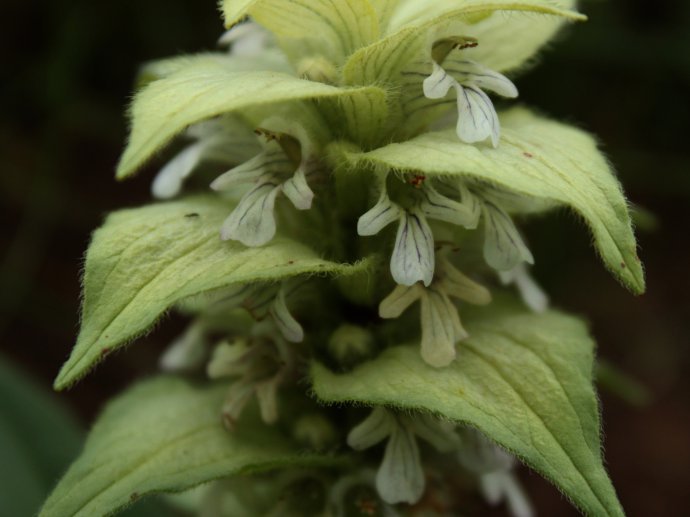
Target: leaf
(525,380)
(165,435)
(207,89)
(540,158)
(414,27)
(337,28)
(38,437)
(144,260)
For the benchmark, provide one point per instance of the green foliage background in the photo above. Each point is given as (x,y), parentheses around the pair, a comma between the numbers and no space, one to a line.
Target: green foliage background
(68,71)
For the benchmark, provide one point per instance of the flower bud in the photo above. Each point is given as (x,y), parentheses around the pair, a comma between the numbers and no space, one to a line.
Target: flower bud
(317,69)
(314,431)
(350,344)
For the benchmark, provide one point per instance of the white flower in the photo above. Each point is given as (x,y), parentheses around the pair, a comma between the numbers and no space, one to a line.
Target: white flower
(504,248)
(494,468)
(226,140)
(531,293)
(272,172)
(187,352)
(400,478)
(413,254)
(245,39)
(440,322)
(261,365)
(262,300)
(477,118)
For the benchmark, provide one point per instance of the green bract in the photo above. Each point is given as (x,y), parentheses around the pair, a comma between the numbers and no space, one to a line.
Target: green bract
(207,89)
(533,161)
(523,379)
(144,260)
(164,435)
(353,139)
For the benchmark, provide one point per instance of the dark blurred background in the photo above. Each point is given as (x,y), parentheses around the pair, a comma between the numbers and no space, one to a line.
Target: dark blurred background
(68,69)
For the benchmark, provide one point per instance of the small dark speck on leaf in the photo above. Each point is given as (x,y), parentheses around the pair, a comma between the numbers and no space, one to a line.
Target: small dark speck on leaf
(528,155)
(290,262)
(193,214)
(134,496)
(105,351)
(623,265)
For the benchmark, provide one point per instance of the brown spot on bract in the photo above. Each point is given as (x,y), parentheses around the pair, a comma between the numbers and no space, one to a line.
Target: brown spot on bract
(527,155)
(623,265)
(418,180)
(105,351)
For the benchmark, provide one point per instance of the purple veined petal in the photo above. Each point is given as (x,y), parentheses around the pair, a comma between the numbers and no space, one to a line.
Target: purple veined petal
(477,118)
(393,305)
(270,161)
(412,260)
(297,190)
(468,72)
(504,248)
(400,478)
(441,329)
(253,222)
(379,216)
(286,323)
(442,208)
(437,85)
(372,430)
(168,182)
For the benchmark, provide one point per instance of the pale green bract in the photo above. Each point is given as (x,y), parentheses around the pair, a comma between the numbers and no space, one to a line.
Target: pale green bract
(498,27)
(336,28)
(162,68)
(525,380)
(164,435)
(206,89)
(144,260)
(532,160)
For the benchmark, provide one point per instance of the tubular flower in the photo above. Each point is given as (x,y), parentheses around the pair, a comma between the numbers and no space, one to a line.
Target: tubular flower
(272,171)
(494,468)
(400,477)
(225,141)
(261,300)
(412,259)
(477,118)
(531,293)
(262,365)
(440,322)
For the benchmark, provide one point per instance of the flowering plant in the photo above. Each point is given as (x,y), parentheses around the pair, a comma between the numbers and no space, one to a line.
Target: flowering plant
(357,167)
